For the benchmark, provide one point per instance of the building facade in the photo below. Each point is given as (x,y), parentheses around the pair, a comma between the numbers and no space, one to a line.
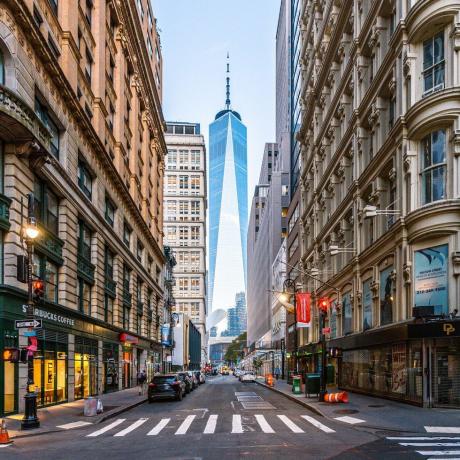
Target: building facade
(380,193)
(186,354)
(82,129)
(185,206)
(236,317)
(265,236)
(228,205)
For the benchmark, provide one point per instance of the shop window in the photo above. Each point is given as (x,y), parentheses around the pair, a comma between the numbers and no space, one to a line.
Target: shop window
(433,63)
(46,207)
(85,180)
(85,367)
(110,361)
(433,173)
(109,211)
(386,296)
(84,297)
(44,113)
(48,271)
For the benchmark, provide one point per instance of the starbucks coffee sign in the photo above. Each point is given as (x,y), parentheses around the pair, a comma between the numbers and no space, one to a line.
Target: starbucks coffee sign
(49,316)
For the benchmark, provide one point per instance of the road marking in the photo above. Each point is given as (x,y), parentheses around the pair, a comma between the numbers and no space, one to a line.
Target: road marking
(131,427)
(106,428)
(211,424)
(319,425)
(257,405)
(69,426)
(266,428)
(442,429)
(237,427)
(290,424)
(438,452)
(157,428)
(423,438)
(185,424)
(450,458)
(6,445)
(350,420)
(430,444)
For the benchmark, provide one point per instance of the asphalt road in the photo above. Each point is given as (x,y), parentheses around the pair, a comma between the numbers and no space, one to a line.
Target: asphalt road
(222,419)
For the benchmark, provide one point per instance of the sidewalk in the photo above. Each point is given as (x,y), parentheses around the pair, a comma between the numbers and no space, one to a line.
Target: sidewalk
(376,413)
(70,415)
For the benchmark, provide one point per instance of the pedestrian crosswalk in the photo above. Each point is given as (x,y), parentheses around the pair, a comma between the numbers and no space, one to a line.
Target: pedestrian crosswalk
(433,447)
(211,424)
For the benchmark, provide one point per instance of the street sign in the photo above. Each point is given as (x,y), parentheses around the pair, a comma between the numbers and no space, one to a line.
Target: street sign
(32,333)
(28,323)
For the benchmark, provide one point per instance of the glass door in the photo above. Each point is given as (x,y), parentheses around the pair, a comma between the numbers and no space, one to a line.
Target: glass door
(446,373)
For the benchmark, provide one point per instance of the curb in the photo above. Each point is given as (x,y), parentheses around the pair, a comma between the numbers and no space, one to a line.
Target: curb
(293,398)
(101,419)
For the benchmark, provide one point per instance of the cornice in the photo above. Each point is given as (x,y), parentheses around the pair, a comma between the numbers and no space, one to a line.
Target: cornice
(25,20)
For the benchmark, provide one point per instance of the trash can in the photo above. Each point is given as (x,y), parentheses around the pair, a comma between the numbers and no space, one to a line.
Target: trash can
(296,384)
(90,408)
(312,384)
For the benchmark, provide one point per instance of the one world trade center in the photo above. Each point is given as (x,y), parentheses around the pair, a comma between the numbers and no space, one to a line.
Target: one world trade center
(228,205)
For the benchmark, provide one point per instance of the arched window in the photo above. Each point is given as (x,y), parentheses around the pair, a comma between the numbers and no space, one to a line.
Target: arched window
(2,68)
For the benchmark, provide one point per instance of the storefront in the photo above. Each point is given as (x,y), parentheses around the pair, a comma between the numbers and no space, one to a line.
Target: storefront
(110,363)
(85,367)
(8,371)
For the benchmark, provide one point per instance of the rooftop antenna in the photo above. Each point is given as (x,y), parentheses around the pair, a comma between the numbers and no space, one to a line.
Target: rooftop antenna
(227,102)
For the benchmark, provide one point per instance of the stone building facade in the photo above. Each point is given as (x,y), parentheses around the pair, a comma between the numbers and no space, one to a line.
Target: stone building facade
(82,128)
(185,211)
(380,193)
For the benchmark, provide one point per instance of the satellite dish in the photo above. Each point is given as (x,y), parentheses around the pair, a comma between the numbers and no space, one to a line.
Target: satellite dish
(215,318)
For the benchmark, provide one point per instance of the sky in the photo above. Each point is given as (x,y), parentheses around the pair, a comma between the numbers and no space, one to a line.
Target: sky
(195,38)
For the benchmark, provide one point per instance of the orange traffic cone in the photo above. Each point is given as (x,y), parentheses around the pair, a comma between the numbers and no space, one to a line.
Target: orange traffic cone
(270,381)
(4,436)
(336,397)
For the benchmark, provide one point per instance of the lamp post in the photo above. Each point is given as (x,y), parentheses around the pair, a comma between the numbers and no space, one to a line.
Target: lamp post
(30,233)
(290,284)
(323,377)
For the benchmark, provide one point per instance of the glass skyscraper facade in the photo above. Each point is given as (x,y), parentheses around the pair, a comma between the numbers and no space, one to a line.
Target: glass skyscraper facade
(228,206)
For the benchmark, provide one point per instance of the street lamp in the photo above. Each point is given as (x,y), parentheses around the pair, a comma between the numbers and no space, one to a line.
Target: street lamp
(30,233)
(323,307)
(291,284)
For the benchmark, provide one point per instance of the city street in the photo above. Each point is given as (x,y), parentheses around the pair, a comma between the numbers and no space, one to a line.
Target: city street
(223,419)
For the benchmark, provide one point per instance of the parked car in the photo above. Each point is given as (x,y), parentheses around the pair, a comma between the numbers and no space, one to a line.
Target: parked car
(200,377)
(237,373)
(168,386)
(187,380)
(195,381)
(248,377)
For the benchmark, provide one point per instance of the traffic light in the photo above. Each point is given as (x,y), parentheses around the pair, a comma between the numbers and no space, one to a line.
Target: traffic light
(323,304)
(11,355)
(38,290)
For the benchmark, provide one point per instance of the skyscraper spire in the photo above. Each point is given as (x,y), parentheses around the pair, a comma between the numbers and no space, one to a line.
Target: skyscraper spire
(227,102)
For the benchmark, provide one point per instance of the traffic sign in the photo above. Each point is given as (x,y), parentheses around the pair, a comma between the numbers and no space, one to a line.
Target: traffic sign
(28,323)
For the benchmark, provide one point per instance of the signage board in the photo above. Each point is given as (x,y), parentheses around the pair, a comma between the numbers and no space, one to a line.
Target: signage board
(127,338)
(28,323)
(435,329)
(326,330)
(166,335)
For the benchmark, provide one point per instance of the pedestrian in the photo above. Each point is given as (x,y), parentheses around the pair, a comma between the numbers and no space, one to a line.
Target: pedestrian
(141,380)
(277,373)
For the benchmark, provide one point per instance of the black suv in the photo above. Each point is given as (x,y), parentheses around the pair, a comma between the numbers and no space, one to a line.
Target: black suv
(187,380)
(166,387)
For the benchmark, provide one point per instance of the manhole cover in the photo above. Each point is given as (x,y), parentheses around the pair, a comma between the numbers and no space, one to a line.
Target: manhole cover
(346,411)
(376,405)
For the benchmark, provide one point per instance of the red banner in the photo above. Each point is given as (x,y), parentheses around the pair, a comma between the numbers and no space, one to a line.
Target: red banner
(303,307)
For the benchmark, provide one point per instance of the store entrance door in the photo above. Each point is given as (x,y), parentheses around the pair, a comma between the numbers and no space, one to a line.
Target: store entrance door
(127,360)
(445,367)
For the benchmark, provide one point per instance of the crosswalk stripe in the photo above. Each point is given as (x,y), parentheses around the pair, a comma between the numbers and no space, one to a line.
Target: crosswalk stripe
(157,428)
(237,427)
(422,438)
(106,428)
(450,458)
(265,427)
(319,425)
(442,429)
(6,445)
(69,426)
(185,425)
(290,424)
(350,420)
(131,427)
(430,444)
(211,424)
(438,452)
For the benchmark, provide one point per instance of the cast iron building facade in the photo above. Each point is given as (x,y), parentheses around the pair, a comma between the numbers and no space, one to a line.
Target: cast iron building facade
(185,219)
(228,205)
(80,86)
(380,190)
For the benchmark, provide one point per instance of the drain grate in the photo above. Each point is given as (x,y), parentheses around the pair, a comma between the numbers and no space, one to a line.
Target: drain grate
(376,405)
(346,411)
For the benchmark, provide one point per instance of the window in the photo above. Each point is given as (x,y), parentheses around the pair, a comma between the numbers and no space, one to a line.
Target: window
(54,48)
(48,271)
(111,68)
(294,218)
(46,207)
(54,5)
(38,18)
(84,241)
(172,159)
(84,297)
(140,8)
(2,69)
(108,309)
(108,263)
(195,236)
(195,210)
(433,172)
(127,234)
(43,113)
(109,211)
(183,159)
(149,47)
(195,185)
(183,210)
(149,17)
(183,236)
(88,10)
(183,185)
(284,190)
(433,63)
(111,116)
(294,246)
(171,184)
(195,285)
(195,159)
(88,66)
(84,179)
(140,251)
